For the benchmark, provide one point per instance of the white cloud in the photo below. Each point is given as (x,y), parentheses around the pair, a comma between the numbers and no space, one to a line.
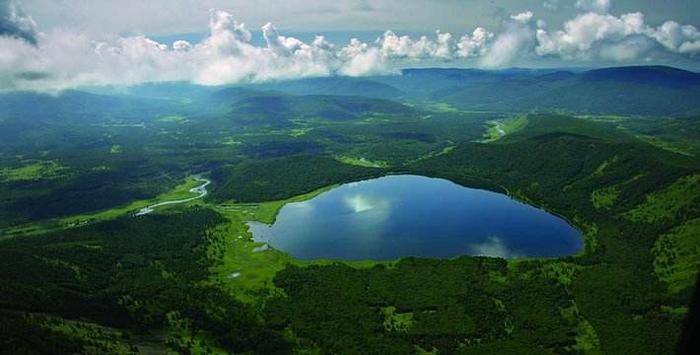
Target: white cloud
(360,59)
(60,59)
(551,4)
(677,38)
(592,35)
(580,34)
(523,17)
(181,45)
(226,55)
(404,47)
(444,45)
(514,41)
(474,45)
(628,49)
(599,6)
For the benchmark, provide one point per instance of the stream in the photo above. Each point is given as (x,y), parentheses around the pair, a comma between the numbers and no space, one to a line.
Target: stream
(200,190)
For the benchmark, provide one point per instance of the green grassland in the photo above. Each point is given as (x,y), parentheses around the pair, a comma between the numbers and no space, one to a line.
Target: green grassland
(667,203)
(441,107)
(33,170)
(677,135)
(605,197)
(246,268)
(173,119)
(677,256)
(181,191)
(266,212)
(498,129)
(362,162)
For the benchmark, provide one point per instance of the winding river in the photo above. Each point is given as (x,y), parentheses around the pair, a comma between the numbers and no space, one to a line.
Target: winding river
(200,190)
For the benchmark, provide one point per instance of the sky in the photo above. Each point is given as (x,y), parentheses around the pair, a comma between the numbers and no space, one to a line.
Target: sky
(59,44)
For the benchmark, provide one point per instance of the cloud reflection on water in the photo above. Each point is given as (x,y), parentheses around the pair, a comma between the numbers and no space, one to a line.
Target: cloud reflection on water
(362,202)
(407,215)
(494,247)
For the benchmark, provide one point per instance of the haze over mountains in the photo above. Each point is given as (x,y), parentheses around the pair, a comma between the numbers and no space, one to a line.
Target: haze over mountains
(643,90)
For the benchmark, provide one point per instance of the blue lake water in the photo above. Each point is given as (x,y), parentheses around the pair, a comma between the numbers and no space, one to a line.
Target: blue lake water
(408,215)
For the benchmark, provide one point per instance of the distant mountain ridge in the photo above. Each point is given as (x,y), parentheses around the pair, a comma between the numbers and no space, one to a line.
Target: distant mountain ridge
(634,90)
(651,75)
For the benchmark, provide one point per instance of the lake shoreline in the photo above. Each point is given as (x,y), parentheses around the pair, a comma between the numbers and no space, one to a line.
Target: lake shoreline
(418,206)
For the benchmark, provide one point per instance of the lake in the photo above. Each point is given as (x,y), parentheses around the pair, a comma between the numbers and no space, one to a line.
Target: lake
(407,215)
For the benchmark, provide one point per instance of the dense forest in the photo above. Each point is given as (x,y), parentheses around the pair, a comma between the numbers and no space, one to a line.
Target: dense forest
(82,271)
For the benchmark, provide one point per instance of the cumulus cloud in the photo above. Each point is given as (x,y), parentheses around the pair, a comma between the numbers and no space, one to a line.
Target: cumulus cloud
(523,17)
(677,38)
(360,59)
(551,4)
(393,46)
(515,40)
(60,59)
(443,47)
(15,23)
(586,30)
(181,45)
(600,6)
(474,45)
(594,35)
(226,55)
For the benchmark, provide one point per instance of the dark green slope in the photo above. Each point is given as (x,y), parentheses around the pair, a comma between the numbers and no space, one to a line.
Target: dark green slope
(281,178)
(649,75)
(336,86)
(557,162)
(619,181)
(560,154)
(626,90)
(129,274)
(133,272)
(74,107)
(281,109)
(616,290)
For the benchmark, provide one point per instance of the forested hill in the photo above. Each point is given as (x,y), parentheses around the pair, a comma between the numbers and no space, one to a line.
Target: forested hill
(639,91)
(652,90)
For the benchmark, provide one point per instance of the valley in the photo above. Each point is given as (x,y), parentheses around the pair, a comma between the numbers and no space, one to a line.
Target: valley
(124,226)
